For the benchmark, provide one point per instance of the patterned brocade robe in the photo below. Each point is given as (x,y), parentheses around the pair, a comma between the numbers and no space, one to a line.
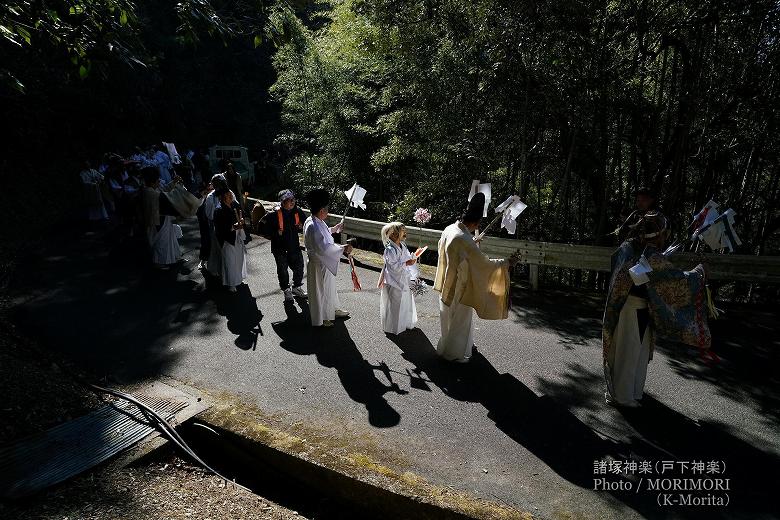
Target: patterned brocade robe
(676,301)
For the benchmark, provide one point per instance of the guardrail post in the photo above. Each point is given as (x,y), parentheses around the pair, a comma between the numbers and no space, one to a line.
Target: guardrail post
(344,238)
(533,276)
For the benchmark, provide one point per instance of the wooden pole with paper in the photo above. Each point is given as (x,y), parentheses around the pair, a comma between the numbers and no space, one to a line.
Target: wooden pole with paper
(482,233)
(349,204)
(355,281)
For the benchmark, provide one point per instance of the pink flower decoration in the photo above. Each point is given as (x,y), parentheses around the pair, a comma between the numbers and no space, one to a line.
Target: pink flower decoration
(422,216)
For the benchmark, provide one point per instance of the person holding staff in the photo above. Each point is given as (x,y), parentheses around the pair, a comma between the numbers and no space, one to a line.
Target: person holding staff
(648,296)
(468,281)
(324,255)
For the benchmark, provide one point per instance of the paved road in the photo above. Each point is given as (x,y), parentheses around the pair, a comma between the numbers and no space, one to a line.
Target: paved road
(523,423)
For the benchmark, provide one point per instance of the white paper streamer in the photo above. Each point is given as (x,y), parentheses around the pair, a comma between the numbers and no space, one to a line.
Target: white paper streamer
(486,189)
(511,207)
(355,195)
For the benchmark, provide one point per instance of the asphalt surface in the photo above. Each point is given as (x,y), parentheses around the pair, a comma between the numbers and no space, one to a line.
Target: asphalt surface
(524,423)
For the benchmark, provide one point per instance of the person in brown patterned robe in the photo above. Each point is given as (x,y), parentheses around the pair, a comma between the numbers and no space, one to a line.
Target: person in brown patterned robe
(669,304)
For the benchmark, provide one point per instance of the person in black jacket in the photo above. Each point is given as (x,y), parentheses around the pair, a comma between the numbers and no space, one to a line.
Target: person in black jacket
(229,229)
(281,228)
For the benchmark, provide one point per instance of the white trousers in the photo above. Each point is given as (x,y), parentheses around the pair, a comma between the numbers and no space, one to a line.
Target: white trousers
(165,242)
(397,310)
(323,297)
(234,261)
(457,331)
(631,354)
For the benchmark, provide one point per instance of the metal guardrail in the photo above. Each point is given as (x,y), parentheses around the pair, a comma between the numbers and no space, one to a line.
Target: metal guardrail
(743,268)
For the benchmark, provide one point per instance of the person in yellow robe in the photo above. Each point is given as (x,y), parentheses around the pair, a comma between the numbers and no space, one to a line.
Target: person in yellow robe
(468,281)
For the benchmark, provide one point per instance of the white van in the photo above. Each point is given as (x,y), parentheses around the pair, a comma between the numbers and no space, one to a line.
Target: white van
(238,155)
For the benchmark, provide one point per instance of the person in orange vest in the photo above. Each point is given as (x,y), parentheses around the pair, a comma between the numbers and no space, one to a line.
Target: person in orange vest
(282,228)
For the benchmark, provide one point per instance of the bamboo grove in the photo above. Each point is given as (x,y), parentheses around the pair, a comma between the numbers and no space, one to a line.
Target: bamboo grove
(571,105)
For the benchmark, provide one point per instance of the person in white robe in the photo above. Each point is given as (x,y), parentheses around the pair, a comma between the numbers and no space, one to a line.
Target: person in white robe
(158,220)
(229,229)
(213,254)
(469,281)
(324,256)
(396,303)
(93,182)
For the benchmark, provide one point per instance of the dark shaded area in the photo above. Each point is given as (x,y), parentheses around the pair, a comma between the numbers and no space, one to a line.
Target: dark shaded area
(746,340)
(260,468)
(579,324)
(199,94)
(240,309)
(334,348)
(546,427)
(126,329)
(743,336)
(214,91)
(312,490)
(95,300)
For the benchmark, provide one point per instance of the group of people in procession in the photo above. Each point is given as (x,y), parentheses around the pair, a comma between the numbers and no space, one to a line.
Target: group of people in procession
(147,190)
(667,302)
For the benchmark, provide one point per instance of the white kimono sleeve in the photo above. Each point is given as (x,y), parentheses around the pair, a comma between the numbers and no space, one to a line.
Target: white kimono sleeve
(321,249)
(209,205)
(397,274)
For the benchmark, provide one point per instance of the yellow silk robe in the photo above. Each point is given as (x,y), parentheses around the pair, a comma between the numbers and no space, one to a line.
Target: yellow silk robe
(467,276)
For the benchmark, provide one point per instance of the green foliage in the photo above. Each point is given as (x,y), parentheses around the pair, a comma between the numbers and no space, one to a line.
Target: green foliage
(569,105)
(79,78)
(87,31)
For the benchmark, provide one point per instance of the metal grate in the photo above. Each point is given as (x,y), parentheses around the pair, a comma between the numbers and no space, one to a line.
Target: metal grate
(45,459)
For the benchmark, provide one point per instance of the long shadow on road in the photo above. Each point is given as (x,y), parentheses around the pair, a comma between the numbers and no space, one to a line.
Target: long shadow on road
(545,427)
(240,309)
(334,348)
(120,319)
